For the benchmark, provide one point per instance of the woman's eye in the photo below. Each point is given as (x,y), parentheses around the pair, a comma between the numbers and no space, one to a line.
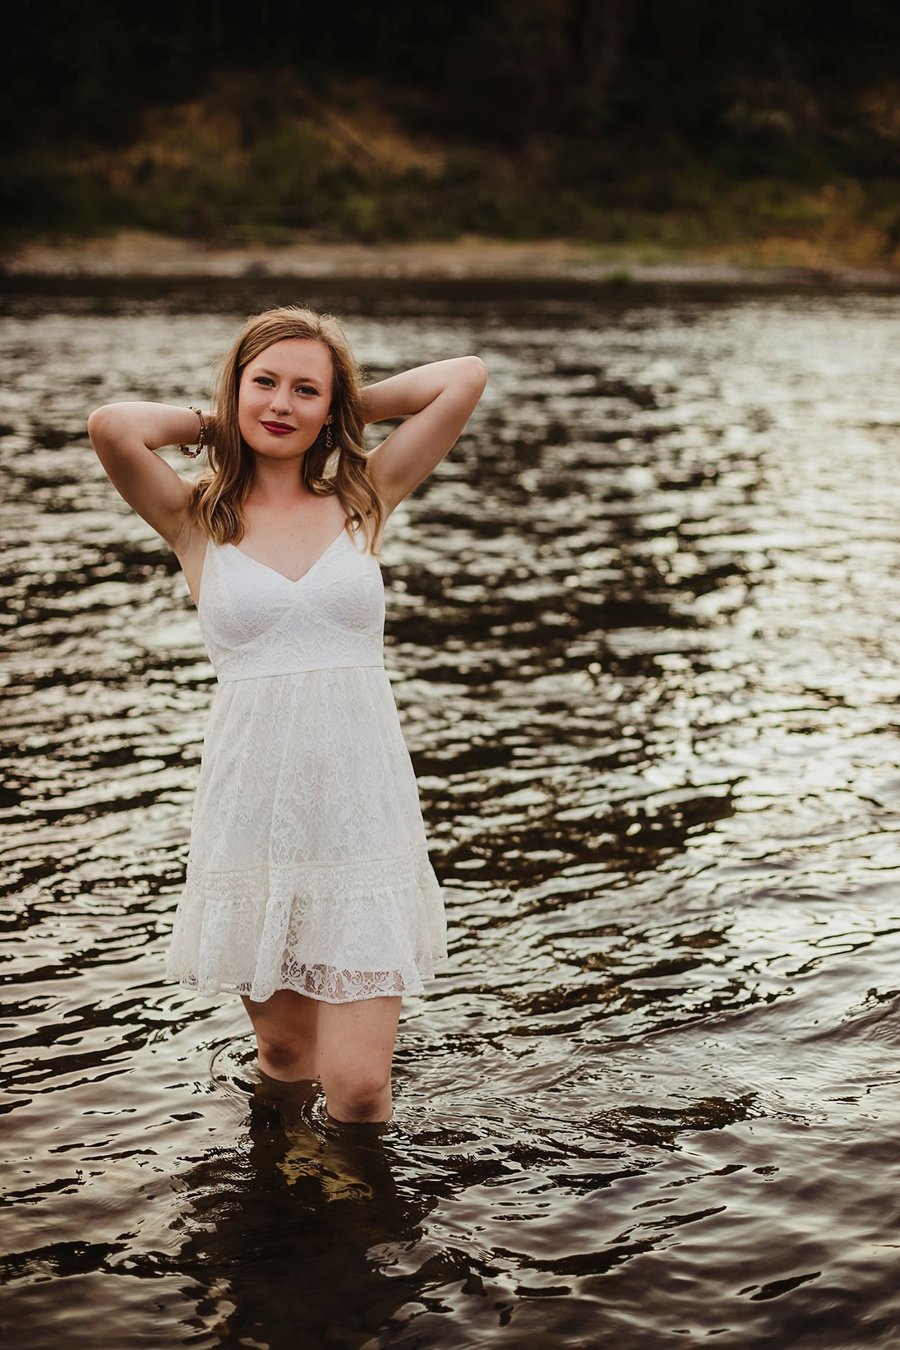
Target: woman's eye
(266,382)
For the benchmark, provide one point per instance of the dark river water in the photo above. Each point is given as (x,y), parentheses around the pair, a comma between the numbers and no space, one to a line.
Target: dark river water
(643,635)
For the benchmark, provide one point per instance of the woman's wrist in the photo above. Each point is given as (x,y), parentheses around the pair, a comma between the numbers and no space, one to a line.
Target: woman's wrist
(201,440)
(387,399)
(367,404)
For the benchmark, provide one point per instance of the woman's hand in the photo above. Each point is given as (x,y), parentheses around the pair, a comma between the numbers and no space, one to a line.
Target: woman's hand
(436,402)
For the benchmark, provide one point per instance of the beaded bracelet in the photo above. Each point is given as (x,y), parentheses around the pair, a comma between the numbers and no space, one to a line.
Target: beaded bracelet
(201,441)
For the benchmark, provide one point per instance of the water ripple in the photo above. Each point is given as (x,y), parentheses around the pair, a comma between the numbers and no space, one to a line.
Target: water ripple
(640,630)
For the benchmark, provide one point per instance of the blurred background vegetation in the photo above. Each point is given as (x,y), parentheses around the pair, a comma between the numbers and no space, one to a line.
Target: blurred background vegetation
(676,124)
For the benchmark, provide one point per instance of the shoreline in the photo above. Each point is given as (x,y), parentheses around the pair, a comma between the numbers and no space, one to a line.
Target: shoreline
(135,255)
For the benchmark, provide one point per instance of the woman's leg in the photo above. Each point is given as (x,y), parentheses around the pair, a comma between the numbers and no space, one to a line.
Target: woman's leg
(356,1047)
(285,1027)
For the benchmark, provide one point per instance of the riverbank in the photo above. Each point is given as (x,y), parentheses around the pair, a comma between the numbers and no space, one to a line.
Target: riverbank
(139,254)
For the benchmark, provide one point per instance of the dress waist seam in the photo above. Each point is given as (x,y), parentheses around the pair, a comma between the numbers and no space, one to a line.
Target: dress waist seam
(300,670)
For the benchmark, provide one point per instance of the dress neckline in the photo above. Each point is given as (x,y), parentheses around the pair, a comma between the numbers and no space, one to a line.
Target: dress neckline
(291,581)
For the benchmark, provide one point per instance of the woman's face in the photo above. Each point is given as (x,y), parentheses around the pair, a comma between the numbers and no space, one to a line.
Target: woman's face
(284,397)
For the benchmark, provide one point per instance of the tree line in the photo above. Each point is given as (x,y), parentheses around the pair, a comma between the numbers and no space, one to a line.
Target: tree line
(589,117)
(505,70)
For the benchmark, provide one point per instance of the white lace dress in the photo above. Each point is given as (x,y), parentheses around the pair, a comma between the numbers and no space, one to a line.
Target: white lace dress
(308,866)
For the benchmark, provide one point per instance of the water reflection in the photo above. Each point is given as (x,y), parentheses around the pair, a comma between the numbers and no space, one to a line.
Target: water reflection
(641,635)
(293,1229)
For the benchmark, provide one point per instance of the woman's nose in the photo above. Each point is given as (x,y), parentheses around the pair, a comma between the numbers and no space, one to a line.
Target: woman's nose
(279,401)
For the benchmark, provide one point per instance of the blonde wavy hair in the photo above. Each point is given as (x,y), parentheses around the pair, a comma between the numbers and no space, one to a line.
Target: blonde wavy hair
(219,495)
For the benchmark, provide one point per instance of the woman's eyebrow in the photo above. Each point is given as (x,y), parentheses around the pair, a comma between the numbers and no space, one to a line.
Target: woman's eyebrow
(296,379)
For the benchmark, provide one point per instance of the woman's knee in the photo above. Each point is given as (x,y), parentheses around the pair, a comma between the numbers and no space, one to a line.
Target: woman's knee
(285,1027)
(358,1089)
(280,1047)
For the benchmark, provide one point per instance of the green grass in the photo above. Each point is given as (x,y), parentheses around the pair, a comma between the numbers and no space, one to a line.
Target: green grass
(198,172)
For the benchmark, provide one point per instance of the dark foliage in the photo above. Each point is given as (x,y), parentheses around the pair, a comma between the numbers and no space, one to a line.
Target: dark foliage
(503,69)
(553,113)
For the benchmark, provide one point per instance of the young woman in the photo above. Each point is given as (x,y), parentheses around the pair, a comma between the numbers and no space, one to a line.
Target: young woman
(308,887)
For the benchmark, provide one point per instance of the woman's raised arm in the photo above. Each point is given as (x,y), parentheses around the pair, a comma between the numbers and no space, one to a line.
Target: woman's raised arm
(124,436)
(437,401)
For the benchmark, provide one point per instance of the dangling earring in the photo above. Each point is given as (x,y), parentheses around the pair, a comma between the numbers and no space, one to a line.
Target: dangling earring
(329,439)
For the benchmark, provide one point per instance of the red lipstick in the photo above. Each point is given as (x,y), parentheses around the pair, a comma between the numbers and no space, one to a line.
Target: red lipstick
(278,428)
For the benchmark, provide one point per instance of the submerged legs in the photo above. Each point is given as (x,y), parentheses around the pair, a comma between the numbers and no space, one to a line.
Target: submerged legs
(356,1047)
(348,1046)
(285,1027)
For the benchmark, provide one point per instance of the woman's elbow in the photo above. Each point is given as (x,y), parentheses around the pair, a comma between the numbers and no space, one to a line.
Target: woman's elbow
(104,424)
(95,425)
(106,432)
(96,422)
(476,372)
